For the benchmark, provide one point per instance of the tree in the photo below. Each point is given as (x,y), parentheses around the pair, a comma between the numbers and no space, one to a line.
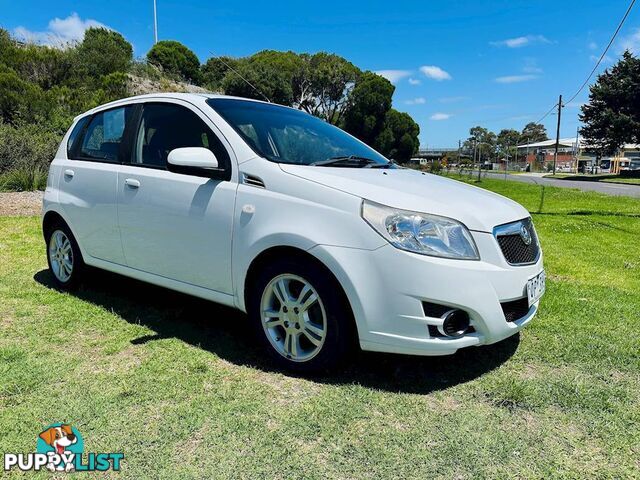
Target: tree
(327,89)
(506,142)
(174,58)
(532,133)
(214,70)
(399,137)
(267,80)
(612,116)
(102,52)
(368,106)
(482,141)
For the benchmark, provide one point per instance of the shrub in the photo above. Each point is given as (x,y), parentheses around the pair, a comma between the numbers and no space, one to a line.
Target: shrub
(27,147)
(24,179)
(174,58)
(102,52)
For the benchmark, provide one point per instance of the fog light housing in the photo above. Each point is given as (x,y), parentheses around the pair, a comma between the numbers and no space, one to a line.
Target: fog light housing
(455,323)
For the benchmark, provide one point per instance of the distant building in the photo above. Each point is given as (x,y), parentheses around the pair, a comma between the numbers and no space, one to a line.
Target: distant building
(574,157)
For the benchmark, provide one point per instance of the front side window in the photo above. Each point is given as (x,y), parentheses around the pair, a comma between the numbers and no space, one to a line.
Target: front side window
(164,127)
(286,135)
(104,133)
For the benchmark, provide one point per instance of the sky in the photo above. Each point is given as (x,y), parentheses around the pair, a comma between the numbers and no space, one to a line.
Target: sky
(454,64)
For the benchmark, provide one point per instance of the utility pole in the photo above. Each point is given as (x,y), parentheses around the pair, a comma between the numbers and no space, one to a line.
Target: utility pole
(155,23)
(479,161)
(555,156)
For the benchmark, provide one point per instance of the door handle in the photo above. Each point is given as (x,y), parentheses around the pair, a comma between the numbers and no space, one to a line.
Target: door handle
(69,173)
(132,182)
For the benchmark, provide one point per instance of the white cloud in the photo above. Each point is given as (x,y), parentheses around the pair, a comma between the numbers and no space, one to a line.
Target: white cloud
(414,81)
(441,116)
(515,78)
(394,76)
(452,99)
(435,73)
(416,101)
(631,42)
(606,59)
(592,45)
(523,41)
(531,66)
(59,31)
(573,104)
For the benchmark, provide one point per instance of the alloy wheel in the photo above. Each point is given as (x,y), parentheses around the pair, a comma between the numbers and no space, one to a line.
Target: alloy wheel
(293,317)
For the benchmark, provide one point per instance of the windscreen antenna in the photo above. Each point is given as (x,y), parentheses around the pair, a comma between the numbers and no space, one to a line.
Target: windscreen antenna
(244,79)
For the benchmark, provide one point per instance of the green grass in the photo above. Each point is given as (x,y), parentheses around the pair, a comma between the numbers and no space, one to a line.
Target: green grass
(173,383)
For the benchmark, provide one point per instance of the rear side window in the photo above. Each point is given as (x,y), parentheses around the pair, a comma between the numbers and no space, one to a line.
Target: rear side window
(164,127)
(103,136)
(74,134)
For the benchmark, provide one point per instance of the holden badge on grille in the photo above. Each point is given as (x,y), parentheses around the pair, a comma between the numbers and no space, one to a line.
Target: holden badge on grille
(525,235)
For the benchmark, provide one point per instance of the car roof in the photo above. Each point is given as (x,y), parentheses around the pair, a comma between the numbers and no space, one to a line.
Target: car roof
(190,97)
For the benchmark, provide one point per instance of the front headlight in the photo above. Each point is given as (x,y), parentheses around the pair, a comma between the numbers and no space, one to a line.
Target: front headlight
(420,232)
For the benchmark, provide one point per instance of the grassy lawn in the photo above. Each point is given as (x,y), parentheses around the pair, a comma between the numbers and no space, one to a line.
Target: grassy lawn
(173,383)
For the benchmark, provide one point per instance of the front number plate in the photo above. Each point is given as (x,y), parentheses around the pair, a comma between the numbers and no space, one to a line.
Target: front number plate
(535,287)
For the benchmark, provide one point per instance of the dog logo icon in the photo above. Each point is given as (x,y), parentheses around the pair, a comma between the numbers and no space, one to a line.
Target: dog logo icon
(61,443)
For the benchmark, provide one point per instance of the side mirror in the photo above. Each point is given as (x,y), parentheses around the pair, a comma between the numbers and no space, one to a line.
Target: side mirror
(194,157)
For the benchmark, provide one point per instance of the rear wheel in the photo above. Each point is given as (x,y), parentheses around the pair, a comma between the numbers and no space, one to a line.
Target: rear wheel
(300,316)
(63,256)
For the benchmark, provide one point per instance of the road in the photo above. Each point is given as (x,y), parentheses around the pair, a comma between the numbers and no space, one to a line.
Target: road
(602,187)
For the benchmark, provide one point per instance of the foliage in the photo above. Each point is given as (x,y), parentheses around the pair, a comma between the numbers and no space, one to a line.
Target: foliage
(264,81)
(214,70)
(174,58)
(24,179)
(102,52)
(506,142)
(482,142)
(20,100)
(26,146)
(399,136)
(369,103)
(533,132)
(612,116)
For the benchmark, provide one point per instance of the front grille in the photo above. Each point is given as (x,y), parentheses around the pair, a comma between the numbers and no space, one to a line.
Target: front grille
(512,240)
(516,309)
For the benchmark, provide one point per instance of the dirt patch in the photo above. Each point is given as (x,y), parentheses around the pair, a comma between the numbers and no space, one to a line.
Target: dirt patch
(14,204)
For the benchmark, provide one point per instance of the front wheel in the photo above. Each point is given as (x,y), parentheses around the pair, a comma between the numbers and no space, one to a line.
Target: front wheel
(300,315)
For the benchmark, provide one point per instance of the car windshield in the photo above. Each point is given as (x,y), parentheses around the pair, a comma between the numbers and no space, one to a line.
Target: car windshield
(285,135)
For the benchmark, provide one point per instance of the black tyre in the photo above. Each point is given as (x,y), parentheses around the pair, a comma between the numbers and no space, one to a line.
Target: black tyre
(63,256)
(301,316)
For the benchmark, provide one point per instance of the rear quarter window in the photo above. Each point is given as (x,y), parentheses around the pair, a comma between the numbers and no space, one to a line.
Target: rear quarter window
(80,124)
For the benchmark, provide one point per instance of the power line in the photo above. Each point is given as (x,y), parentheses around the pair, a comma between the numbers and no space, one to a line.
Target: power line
(256,89)
(605,51)
(548,112)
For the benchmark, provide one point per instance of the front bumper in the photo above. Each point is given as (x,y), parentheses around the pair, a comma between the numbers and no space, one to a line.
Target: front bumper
(387,288)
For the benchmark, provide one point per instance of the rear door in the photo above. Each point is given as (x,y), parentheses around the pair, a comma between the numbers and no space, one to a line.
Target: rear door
(175,225)
(89,182)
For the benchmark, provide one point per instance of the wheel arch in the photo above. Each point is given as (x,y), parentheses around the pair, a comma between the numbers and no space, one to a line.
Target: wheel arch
(272,254)
(51,218)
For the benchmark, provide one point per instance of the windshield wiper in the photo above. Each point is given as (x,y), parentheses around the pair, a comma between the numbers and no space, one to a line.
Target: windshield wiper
(345,160)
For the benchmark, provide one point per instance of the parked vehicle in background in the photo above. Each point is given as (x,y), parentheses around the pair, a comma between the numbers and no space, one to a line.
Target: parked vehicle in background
(320,239)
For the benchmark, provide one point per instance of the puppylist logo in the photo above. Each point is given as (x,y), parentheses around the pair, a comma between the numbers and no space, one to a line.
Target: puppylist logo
(60,448)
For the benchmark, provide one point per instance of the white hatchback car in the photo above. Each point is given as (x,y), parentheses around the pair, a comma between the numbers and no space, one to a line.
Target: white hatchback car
(320,239)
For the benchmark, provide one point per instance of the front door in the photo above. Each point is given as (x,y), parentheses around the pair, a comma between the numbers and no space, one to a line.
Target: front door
(174,225)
